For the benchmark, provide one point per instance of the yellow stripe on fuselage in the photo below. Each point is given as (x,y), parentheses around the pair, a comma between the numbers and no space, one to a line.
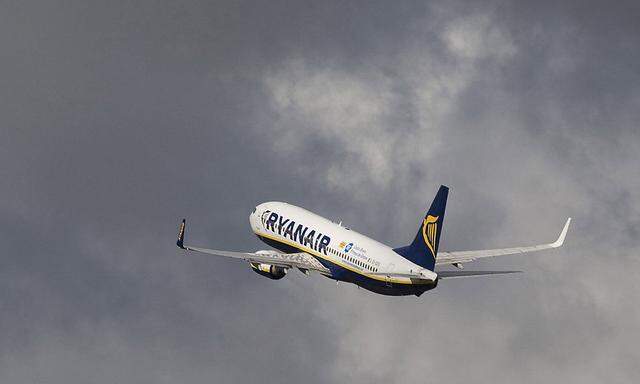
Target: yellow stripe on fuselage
(406,281)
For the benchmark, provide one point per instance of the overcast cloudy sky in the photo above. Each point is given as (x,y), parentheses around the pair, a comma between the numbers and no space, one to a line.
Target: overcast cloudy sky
(118,118)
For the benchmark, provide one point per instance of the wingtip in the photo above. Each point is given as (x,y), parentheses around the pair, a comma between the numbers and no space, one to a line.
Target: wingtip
(180,241)
(563,234)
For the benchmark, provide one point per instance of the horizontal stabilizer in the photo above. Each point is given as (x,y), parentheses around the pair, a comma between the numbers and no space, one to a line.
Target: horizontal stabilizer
(457,274)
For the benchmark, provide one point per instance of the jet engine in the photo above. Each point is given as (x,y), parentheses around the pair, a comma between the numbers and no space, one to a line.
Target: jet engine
(273,272)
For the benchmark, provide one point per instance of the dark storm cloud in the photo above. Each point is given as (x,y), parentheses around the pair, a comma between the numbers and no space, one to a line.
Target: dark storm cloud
(117,119)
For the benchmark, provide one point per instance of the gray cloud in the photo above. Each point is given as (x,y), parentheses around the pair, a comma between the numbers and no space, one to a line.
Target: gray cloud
(119,118)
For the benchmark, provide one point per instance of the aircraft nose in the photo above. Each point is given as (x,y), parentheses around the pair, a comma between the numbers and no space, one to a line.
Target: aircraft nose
(253,216)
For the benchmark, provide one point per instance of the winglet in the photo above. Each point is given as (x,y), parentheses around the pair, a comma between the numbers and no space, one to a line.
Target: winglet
(563,234)
(180,242)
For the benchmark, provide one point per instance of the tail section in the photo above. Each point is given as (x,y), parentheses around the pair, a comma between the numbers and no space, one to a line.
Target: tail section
(424,248)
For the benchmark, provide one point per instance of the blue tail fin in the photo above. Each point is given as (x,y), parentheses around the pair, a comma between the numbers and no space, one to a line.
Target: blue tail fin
(424,249)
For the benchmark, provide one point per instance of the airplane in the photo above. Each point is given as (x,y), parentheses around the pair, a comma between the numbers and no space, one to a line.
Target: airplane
(312,243)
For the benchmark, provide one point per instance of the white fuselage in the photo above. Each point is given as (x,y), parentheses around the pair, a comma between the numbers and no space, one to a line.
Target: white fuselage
(296,229)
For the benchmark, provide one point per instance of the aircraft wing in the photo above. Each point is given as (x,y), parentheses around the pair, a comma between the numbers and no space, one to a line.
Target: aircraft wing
(460,257)
(300,260)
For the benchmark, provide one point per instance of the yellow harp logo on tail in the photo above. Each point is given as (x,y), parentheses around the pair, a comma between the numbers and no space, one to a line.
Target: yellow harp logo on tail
(429,232)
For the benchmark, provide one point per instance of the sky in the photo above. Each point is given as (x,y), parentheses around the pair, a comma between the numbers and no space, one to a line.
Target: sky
(119,118)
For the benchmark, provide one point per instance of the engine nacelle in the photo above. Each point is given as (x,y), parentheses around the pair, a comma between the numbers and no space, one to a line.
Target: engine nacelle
(271,271)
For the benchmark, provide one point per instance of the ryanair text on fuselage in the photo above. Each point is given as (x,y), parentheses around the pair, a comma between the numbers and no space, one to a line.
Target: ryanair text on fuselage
(299,233)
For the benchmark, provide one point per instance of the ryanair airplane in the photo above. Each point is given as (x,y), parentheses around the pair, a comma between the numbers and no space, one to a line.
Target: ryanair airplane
(311,243)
